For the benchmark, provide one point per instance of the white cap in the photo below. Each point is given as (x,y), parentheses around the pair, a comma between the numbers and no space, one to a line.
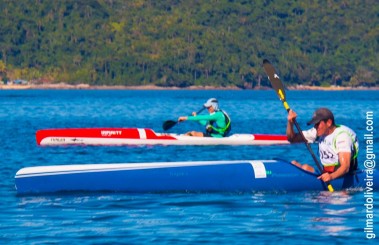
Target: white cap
(212,102)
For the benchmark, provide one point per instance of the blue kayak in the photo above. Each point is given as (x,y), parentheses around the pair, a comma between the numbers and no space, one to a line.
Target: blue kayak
(199,176)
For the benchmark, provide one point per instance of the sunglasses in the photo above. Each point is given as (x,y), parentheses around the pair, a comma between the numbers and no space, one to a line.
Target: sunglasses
(317,124)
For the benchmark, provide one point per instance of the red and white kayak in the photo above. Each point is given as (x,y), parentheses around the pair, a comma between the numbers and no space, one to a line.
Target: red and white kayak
(145,136)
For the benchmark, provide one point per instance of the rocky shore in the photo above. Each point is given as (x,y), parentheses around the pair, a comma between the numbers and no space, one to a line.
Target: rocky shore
(153,87)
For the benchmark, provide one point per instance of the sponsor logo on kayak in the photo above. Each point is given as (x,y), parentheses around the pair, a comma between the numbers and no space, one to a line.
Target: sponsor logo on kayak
(110,133)
(57,139)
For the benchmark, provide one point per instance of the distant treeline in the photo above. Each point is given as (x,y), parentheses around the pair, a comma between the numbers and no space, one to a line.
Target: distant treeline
(188,42)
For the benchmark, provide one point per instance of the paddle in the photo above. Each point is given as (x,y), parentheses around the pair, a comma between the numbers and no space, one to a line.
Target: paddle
(279,88)
(171,123)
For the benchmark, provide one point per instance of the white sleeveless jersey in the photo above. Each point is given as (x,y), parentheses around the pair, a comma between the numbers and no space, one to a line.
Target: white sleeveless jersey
(343,139)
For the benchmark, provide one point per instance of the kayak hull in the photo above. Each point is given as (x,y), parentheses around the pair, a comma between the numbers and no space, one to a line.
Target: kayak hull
(145,136)
(205,176)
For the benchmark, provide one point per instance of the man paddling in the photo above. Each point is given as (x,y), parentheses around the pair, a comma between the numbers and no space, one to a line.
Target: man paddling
(217,123)
(338,144)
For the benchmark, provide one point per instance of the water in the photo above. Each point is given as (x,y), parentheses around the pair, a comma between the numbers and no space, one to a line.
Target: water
(172,218)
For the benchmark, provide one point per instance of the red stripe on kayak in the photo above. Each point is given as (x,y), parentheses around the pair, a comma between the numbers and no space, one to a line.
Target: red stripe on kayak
(88,133)
(150,134)
(117,133)
(270,137)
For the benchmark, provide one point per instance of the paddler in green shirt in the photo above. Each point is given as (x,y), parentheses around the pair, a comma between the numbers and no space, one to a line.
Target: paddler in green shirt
(217,123)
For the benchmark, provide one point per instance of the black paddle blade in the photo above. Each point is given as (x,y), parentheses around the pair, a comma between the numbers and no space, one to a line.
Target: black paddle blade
(276,83)
(169,124)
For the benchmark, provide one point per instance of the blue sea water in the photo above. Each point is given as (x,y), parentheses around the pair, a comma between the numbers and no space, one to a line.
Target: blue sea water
(173,218)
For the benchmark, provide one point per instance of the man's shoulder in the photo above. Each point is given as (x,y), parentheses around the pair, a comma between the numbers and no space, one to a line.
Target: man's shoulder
(343,133)
(219,112)
(340,129)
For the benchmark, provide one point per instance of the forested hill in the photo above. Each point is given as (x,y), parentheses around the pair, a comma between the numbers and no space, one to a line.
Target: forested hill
(189,42)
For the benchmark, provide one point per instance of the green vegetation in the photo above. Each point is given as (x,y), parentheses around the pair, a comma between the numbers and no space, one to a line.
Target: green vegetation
(187,42)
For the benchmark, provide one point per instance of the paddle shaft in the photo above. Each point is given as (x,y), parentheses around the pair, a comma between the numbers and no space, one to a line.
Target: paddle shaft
(201,110)
(171,123)
(319,166)
(279,88)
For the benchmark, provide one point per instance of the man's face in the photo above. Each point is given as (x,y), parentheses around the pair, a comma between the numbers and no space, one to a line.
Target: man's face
(322,127)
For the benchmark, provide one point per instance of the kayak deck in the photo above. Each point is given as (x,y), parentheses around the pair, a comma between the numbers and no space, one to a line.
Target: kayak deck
(145,136)
(202,176)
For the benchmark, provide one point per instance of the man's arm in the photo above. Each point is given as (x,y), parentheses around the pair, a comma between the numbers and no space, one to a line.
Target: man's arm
(343,146)
(291,135)
(344,159)
(202,119)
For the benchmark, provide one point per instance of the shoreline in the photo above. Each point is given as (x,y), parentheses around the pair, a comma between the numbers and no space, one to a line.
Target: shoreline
(64,86)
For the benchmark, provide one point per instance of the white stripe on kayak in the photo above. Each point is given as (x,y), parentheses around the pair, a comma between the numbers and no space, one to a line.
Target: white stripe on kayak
(87,168)
(259,169)
(142,133)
